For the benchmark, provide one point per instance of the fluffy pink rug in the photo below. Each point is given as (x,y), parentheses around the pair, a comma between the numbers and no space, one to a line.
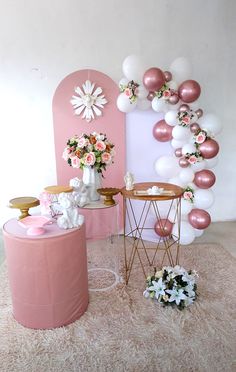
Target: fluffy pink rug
(122,331)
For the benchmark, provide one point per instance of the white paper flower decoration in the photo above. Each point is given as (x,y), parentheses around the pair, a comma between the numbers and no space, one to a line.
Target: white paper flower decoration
(89,101)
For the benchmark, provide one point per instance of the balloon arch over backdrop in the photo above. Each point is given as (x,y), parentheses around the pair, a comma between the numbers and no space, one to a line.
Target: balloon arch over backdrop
(190,131)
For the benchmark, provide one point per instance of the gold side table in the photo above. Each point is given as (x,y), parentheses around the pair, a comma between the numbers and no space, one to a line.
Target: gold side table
(134,226)
(24,203)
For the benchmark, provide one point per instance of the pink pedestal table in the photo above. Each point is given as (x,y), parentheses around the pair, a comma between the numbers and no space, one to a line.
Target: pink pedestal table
(48,275)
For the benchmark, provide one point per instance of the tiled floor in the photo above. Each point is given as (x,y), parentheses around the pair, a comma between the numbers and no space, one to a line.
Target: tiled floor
(223,233)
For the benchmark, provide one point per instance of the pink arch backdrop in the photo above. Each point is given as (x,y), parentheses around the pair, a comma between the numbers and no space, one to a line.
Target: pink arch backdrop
(67,124)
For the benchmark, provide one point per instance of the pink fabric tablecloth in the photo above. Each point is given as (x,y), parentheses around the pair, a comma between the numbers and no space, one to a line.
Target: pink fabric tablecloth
(48,275)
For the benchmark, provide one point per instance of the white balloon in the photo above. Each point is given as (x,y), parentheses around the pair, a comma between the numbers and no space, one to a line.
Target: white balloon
(203,199)
(143,104)
(123,103)
(176,143)
(198,166)
(167,166)
(189,148)
(181,69)
(171,117)
(186,175)
(187,234)
(181,133)
(176,181)
(198,232)
(142,92)
(123,81)
(172,215)
(158,104)
(133,68)
(186,206)
(192,185)
(211,163)
(211,123)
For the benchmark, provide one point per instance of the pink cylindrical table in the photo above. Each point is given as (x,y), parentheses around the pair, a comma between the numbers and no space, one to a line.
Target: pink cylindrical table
(48,275)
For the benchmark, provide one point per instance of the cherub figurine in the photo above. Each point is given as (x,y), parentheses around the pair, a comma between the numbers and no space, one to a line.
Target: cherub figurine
(129,181)
(70,216)
(80,193)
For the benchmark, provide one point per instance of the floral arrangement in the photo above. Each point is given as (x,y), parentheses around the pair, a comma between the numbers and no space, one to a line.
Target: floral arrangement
(185,118)
(93,150)
(130,90)
(172,286)
(188,194)
(164,92)
(193,157)
(200,137)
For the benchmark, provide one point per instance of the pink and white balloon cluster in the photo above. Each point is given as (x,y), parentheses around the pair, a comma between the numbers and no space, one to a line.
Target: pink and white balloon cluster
(191,134)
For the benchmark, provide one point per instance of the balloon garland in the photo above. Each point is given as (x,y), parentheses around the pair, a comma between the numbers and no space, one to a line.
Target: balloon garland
(191,133)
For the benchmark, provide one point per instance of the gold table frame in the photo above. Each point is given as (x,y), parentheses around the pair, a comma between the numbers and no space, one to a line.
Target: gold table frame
(135,225)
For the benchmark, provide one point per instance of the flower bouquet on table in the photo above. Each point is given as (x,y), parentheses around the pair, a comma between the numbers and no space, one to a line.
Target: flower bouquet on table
(172,286)
(89,150)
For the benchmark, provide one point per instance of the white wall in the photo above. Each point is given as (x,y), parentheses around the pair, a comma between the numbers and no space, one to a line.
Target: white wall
(43,41)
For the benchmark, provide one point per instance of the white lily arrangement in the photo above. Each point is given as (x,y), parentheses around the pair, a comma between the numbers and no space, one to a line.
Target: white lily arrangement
(172,286)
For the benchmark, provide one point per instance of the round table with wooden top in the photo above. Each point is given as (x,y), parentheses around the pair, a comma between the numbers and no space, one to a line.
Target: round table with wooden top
(135,226)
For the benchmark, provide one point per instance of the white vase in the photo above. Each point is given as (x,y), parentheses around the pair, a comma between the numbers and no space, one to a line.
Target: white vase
(92,179)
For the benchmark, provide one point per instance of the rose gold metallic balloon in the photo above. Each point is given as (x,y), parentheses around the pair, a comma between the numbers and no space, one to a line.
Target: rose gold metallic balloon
(204,179)
(194,127)
(168,75)
(199,113)
(184,107)
(150,96)
(162,131)
(178,152)
(199,218)
(153,79)
(173,99)
(163,227)
(209,149)
(189,91)
(183,163)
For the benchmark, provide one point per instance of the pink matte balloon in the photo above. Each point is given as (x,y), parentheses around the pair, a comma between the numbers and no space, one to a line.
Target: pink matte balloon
(162,131)
(189,91)
(150,96)
(178,152)
(194,127)
(209,149)
(199,113)
(204,179)
(184,108)
(183,163)
(168,75)
(199,218)
(163,227)
(173,99)
(153,79)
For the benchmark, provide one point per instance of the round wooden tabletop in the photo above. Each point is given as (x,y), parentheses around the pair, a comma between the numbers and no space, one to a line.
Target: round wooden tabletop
(58,189)
(170,191)
(24,202)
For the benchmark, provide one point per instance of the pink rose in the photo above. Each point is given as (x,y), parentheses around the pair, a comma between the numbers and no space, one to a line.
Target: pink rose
(200,138)
(82,142)
(166,94)
(188,195)
(89,159)
(192,159)
(106,158)
(75,162)
(128,92)
(66,153)
(186,120)
(100,146)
